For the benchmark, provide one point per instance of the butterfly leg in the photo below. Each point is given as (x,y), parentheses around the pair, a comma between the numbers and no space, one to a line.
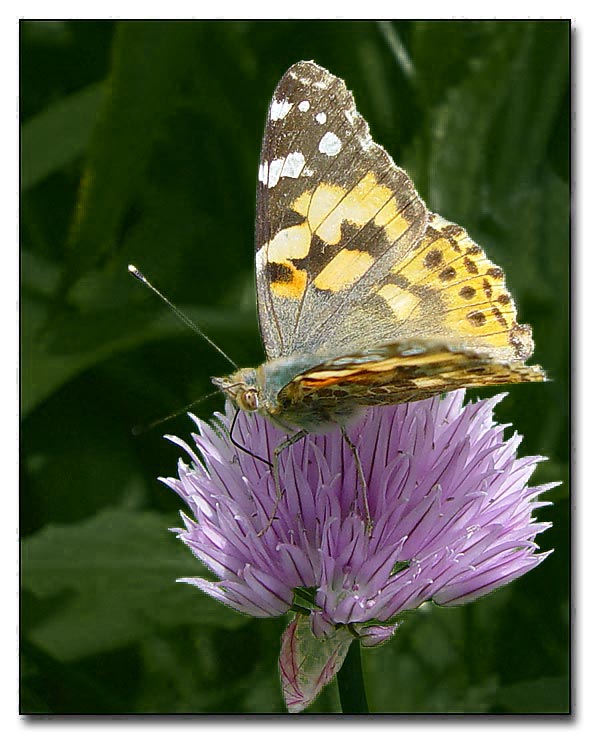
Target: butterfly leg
(289,441)
(240,446)
(363,481)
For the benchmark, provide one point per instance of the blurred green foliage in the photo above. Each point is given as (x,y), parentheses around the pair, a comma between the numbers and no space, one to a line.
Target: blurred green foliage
(140,144)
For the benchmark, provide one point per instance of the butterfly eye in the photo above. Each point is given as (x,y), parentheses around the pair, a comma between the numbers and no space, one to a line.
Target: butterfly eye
(249,400)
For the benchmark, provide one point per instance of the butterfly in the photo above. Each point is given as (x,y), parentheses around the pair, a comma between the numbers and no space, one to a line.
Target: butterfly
(364,296)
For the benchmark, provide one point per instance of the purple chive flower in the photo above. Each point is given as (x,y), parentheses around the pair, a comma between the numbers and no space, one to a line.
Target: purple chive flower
(451,511)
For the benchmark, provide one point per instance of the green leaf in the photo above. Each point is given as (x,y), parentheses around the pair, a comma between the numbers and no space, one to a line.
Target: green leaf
(460,127)
(150,62)
(537,84)
(58,135)
(427,663)
(542,696)
(487,134)
(82,340)
(113,582)
(531,230)
(442,52)
(532,227)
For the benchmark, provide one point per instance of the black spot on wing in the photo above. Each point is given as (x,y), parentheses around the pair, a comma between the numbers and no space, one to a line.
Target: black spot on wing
(447,274)
(467,292)
(477,318)
(279,273)
(433,259)
(292,218)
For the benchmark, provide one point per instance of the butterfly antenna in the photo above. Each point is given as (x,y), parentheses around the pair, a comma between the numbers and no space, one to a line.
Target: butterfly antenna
(138,430)
(185,319)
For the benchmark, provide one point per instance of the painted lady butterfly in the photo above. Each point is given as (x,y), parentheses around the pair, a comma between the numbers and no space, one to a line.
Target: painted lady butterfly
(364,296)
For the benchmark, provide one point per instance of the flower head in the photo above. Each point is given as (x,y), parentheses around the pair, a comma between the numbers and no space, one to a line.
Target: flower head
(450,509)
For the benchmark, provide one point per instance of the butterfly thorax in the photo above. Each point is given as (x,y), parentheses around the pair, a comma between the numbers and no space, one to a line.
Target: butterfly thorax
(262,390)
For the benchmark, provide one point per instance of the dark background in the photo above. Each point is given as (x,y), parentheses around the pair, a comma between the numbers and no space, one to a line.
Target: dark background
(140,144)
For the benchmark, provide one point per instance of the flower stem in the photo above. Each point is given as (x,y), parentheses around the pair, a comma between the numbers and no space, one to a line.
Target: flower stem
(351,686)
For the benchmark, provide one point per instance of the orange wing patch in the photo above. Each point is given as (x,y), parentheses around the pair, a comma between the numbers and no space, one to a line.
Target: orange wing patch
(287,280)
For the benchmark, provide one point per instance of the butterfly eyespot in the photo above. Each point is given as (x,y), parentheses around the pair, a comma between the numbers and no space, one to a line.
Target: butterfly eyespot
(248,400)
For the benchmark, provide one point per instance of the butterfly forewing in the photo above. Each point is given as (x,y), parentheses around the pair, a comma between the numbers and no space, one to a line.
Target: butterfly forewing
(334,215)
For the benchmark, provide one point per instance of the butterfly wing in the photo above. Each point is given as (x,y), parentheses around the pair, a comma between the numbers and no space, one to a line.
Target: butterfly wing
(348,257)
(333,210)
(400,372)
(445,288)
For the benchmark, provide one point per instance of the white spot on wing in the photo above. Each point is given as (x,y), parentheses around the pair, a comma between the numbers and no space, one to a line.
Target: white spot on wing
(294,164)
(303,106)
(263,172)
(330,144)
(321,117)
(274,171)
(366,142)
(289,167)
(350,115)
(279,108)
(261,260)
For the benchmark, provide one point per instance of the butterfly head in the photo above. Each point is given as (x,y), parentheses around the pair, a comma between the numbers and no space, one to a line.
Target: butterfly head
(241,388)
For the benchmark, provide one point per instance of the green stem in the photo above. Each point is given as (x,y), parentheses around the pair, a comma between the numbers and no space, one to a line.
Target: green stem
(351,686)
